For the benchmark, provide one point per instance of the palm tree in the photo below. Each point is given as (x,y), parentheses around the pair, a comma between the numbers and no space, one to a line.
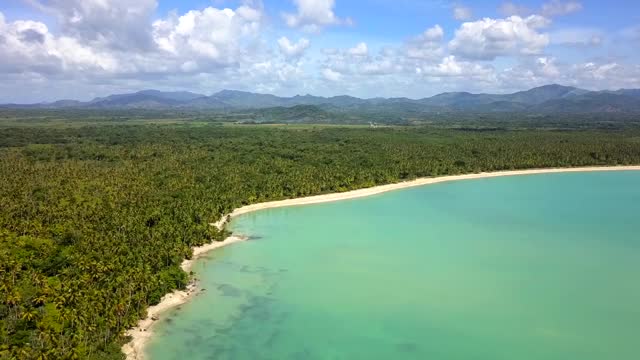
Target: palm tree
(30,315)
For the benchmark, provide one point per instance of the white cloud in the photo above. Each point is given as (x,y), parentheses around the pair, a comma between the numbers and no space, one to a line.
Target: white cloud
(206,40)
(121,24)
(313,15)
(602,72)
(359,50)
(450,66)
(185,52)
(382,66)
(293,50)
(590,75)
(29,46)
(83,51)
(272,75)
(546,67)
(432,34)
(527,74)
(210,35)
(577,37)
(331,75)
(461,12)
(358,62)
(549,9)
(559,8)
(488,38)
(427,45)
(508,9)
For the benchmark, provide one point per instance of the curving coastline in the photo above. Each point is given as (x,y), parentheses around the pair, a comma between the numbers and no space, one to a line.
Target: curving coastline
(134,350)
(140,335)
(316,199)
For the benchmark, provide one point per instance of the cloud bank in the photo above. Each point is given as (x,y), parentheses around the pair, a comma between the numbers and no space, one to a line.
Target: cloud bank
(94,47)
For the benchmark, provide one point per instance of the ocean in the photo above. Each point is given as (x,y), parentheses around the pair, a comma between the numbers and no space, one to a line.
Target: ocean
(518,267)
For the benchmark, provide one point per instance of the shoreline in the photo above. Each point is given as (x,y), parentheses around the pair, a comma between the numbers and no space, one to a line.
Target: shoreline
(134,350)
(379,189)
(140,335)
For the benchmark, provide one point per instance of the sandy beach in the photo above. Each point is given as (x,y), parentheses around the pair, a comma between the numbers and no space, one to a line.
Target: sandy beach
(134,350)
(407,184)
(142,333)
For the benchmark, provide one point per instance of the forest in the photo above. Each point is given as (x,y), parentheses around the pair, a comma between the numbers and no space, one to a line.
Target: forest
(96,218)
(312,115)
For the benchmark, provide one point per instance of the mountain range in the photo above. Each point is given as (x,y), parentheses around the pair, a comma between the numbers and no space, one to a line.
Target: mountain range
(545,99)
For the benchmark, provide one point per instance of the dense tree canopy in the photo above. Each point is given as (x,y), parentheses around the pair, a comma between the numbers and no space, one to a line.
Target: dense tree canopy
(95,220)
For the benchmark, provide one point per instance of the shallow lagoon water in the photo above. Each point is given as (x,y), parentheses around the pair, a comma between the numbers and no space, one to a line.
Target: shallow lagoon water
(523,267)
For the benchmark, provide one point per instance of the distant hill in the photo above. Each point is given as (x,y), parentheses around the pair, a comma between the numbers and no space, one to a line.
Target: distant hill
(461,100)
(543,99)
(592,102)
(242,99)
(65,103)
(545,93)
(145,99)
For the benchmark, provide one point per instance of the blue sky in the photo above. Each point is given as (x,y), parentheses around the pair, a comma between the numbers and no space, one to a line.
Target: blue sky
(79,49)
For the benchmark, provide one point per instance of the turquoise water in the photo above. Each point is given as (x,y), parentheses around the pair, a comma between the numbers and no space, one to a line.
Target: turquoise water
(526,267)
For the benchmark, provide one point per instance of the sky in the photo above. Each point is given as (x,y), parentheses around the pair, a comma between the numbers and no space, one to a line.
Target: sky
(81,49)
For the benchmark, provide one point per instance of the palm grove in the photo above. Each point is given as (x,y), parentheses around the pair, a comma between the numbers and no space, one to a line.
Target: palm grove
(96,220)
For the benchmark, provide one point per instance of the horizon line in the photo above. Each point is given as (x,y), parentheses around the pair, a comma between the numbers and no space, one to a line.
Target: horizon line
(131,92)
